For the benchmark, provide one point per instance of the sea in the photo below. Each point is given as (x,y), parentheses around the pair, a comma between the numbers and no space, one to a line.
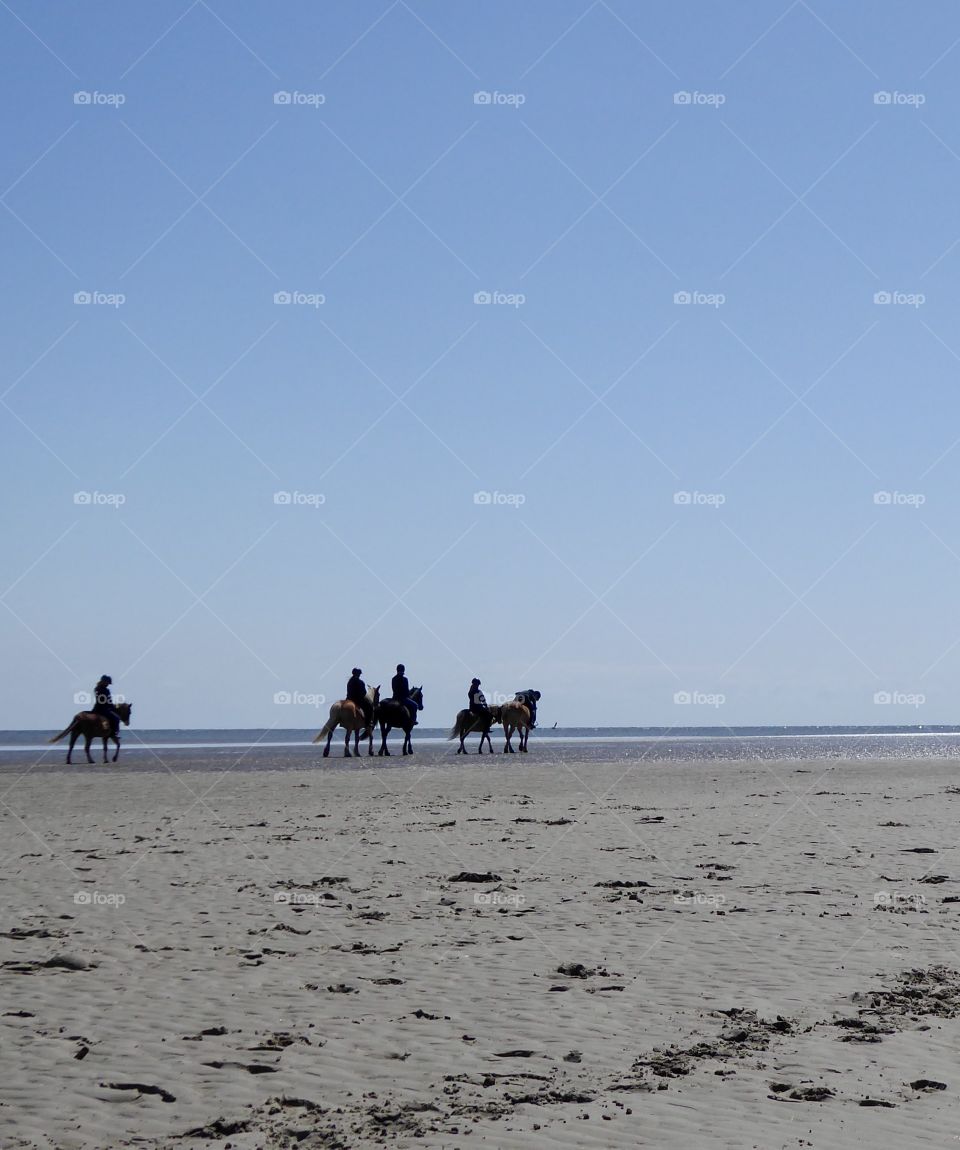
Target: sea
(277,749)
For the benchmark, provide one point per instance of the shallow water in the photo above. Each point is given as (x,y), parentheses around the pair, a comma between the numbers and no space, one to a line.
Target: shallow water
(262,749)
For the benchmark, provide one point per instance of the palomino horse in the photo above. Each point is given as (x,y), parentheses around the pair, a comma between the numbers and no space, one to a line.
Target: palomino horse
(467,723)
(393,713)
(92,726)
(515,716)
(350,716)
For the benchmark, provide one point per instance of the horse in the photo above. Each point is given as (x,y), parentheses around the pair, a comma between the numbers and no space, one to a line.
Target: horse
(350,716)
(467,722)
(393,713)
(515,716)
(93,726)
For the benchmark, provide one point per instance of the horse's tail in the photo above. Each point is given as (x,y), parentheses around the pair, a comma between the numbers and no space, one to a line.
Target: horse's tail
(454,730)
(63,734)
(330,724)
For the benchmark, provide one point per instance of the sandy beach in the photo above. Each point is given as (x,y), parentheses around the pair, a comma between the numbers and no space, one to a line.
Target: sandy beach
(509,952)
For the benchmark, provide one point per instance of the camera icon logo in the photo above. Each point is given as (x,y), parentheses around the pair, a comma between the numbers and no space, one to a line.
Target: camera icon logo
(82,498)
(482,297)
(682,98)
(682,497)
(883,698)
(82,297)
(681,697)
(282,97)
(881,297)
(281,896)
(282,497)
(81,698)
(482,497)
(883,498)
(882,97)
(282,697)
(482,98)
(82,898)
(82,98)
(681,297)
(281,297)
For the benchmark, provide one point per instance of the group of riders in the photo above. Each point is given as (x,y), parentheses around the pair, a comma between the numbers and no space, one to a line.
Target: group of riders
(356,692)
(400,693)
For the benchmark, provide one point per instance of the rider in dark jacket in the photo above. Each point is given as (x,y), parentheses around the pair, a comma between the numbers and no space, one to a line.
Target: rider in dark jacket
(478,702)
(357,693)
(530,698)
(400,686)
(103,703)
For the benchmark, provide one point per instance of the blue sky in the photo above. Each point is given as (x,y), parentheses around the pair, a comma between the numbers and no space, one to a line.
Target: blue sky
(719,247)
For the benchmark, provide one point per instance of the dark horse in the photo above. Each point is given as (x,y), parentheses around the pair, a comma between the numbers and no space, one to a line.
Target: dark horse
(393,713)
(92,726)
(468,723)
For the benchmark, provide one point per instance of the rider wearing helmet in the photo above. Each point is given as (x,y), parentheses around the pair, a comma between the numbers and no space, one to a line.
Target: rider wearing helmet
(400,686)
(477,699)
(103,704)
(357,693)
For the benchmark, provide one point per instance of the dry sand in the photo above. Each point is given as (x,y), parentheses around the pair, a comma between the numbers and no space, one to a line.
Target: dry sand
(679,956)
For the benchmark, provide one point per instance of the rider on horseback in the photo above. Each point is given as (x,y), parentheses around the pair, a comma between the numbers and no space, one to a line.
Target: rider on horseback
(103,704)
(400,686)
(530,699)
(478,702)
(357,693)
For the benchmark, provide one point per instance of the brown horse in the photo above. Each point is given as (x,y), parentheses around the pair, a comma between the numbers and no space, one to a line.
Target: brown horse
(467,723)
(92,726)
(515,716)
(350,716)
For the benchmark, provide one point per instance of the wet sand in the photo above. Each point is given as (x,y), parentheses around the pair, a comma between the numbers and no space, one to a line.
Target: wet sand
(531,951)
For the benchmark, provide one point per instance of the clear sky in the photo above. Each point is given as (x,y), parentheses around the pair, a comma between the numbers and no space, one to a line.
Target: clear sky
(719,249)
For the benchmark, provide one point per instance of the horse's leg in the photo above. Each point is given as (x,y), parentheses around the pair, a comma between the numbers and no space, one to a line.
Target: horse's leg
(116,753)
(524,732)
(346,743)
(73,739)
(87,740)
(385,730)
(407,741)
(326,749)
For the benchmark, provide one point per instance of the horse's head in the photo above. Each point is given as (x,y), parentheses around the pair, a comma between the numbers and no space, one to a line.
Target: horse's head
(496,714)
(374,694)
(417,695)
(124,710)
